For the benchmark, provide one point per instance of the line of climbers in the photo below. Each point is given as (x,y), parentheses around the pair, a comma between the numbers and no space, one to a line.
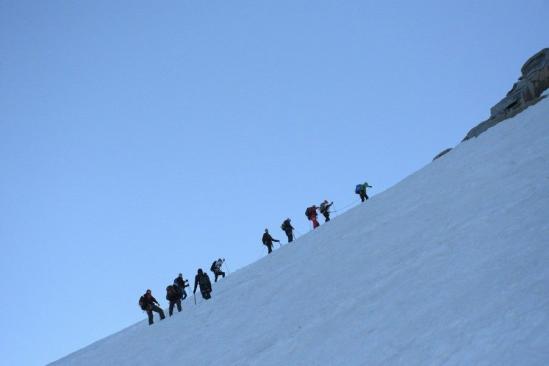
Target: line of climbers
(311,213)
(176,293)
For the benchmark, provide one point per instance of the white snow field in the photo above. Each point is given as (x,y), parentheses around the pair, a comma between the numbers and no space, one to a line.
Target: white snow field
(448,267)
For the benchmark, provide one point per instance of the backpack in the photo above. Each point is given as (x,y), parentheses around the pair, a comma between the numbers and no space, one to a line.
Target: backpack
(204,281)
(284,226)
(178,292)
(358,188)
(142,303)
(213,267)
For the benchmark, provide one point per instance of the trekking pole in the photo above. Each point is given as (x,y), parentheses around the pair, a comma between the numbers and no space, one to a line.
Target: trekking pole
(194,297)
(334,210)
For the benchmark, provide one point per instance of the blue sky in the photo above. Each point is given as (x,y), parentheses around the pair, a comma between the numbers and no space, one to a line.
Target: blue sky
(140,140)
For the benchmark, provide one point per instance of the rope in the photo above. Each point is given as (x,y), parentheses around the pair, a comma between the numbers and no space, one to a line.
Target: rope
(352,204)
(346,207)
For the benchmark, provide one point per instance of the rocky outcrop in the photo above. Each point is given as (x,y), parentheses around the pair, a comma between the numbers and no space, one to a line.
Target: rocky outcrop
(443,152)
(524,93)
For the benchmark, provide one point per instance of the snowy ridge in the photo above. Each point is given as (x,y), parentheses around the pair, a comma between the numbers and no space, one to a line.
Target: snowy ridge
(450,266)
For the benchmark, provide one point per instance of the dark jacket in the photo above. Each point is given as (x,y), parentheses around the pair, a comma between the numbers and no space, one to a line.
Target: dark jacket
(287,226)
(324,207)
(364,186)
(147,301)
(268,240)
(204,281)
(180,282)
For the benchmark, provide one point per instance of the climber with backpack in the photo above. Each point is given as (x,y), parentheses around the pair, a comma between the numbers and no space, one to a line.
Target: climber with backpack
(173,295)
(288,229)
(267,240)
(181,285)
(311,214)
(325,210)
(361,190)
(148,303)
(216,268)
(201,279)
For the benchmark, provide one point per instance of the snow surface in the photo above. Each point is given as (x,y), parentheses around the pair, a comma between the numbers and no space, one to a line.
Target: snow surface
(450,266)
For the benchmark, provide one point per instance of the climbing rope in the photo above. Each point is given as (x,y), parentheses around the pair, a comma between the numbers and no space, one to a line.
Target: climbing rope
(347,207)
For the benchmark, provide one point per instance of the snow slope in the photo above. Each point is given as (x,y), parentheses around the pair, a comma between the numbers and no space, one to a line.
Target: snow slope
(450,266)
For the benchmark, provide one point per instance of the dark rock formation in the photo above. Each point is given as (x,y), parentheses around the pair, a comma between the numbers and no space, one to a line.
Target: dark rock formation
(524,93)
(443,152)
